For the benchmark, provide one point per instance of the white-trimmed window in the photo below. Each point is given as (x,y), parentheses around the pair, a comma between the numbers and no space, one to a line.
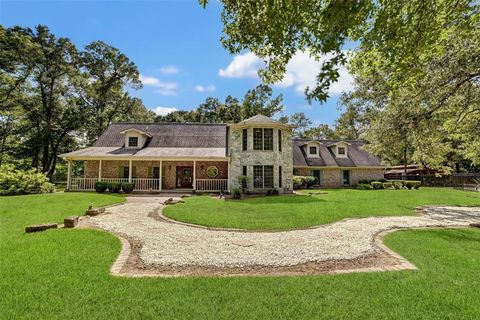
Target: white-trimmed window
(133,142)
(263,139)
(342,151)
(312,150)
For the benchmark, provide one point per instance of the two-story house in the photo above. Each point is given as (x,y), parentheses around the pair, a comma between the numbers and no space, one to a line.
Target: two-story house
(210,157)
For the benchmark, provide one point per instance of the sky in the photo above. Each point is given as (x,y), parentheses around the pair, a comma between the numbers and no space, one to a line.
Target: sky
(176,47)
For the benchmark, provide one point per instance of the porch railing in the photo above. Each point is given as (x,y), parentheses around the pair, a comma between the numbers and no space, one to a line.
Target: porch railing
(211,184)
(144,184)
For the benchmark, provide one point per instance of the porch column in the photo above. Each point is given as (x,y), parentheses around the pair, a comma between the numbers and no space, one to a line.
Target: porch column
(160,177)
(69,175)
(129,171)
(228,176)
(99,170)
(194,174)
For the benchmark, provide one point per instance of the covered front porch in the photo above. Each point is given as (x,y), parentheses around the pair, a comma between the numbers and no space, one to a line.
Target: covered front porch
(151,175)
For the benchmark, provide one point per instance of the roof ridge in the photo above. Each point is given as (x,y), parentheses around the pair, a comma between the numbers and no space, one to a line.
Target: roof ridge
(171,123)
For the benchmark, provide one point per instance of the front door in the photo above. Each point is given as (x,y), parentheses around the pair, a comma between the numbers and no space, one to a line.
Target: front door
(184,177)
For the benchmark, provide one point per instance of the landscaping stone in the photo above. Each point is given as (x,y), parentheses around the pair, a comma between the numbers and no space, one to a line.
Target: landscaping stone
(40,227)
(475,225)
(94,211)
(173,201)
(70,222)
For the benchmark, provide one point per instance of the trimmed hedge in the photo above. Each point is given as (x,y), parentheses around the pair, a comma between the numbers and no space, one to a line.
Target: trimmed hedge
(303,182)
(128,187)
(100,187)
(376,185)
(388,185)
(364,186)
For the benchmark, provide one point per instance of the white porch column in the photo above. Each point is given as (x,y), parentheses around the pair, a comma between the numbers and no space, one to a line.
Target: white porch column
(228,176)
(160,177)
(99,170)
(129,171)
(194,174)
(69,175)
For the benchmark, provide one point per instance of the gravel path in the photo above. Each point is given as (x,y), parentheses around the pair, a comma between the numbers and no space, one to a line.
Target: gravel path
(171,244)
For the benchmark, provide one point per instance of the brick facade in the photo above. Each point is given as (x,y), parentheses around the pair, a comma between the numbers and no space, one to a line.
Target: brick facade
(110,169)
(332,178)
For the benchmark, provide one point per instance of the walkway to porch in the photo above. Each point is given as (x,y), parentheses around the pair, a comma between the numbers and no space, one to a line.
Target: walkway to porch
(153,176)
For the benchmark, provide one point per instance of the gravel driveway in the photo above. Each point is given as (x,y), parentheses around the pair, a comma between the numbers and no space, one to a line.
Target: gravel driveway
(171,244)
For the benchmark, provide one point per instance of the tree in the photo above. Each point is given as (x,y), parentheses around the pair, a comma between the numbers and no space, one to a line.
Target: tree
(255,101)
(391,34)
(322,131)
(108,72)
(300,120)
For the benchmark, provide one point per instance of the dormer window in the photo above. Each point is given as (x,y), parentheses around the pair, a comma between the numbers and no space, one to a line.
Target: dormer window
(133,142)
(313,150)
(341,151)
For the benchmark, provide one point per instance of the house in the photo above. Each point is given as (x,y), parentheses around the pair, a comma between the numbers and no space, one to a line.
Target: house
(335,163)
(210,157)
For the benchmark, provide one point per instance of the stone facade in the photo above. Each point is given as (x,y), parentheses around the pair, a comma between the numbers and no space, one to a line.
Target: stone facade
(250,157)
(332,178)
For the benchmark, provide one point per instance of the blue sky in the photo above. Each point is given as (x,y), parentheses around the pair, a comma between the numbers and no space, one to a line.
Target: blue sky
(176,46)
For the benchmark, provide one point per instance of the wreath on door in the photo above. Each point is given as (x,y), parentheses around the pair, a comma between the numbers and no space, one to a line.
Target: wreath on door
(212,172)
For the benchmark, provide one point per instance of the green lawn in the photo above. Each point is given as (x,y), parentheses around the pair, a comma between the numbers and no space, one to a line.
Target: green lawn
(64,274)
(324,206)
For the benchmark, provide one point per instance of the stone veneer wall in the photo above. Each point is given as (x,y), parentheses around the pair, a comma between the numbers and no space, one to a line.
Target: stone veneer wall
(332,178)
(252,157)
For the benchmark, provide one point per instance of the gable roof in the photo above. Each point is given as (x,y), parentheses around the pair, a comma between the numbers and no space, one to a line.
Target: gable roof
(169,140)
(357,157)
(174,135)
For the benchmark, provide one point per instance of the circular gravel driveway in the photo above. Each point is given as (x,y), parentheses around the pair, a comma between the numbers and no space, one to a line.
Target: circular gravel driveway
(170,244)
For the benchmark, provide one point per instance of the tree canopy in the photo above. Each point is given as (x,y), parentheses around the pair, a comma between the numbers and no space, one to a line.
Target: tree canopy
(52,95)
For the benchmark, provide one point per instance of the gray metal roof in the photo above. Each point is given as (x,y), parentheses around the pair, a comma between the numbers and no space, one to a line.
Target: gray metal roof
(357,157)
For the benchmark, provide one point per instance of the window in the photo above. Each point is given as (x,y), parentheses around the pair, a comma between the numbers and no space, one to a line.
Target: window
(268,139)
(280,176)
(257,139)
(244,139)
(313,150)
(262,177)
(346,177)
(279,140)
(341,151)
(133,141)
(244,170)
(262,139)
(125,172)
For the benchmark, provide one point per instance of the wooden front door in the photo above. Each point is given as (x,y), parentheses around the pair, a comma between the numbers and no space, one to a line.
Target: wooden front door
(184,177)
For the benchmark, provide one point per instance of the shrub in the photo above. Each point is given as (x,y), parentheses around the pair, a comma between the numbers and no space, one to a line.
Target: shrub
(114,187)
(269,192)
(100,187)
(376,185)
(128,187)
(275,191)
(382,180)
(237,193)
(388,185)
(309,181)
(364,186)
(298,182)
(364,181)
(416,184)
(13,181)
(243,181)
(398,184)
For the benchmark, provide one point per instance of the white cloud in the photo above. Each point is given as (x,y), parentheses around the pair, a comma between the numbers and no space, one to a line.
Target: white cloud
(163,88)
(163,111)
(171,69)
(242,66)
(301,72)
(209,88)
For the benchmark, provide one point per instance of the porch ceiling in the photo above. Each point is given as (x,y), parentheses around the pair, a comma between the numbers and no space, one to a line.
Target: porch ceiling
(115,152)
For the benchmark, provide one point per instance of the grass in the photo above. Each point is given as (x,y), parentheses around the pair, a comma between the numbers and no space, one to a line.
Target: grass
(64,274)
(324,206)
